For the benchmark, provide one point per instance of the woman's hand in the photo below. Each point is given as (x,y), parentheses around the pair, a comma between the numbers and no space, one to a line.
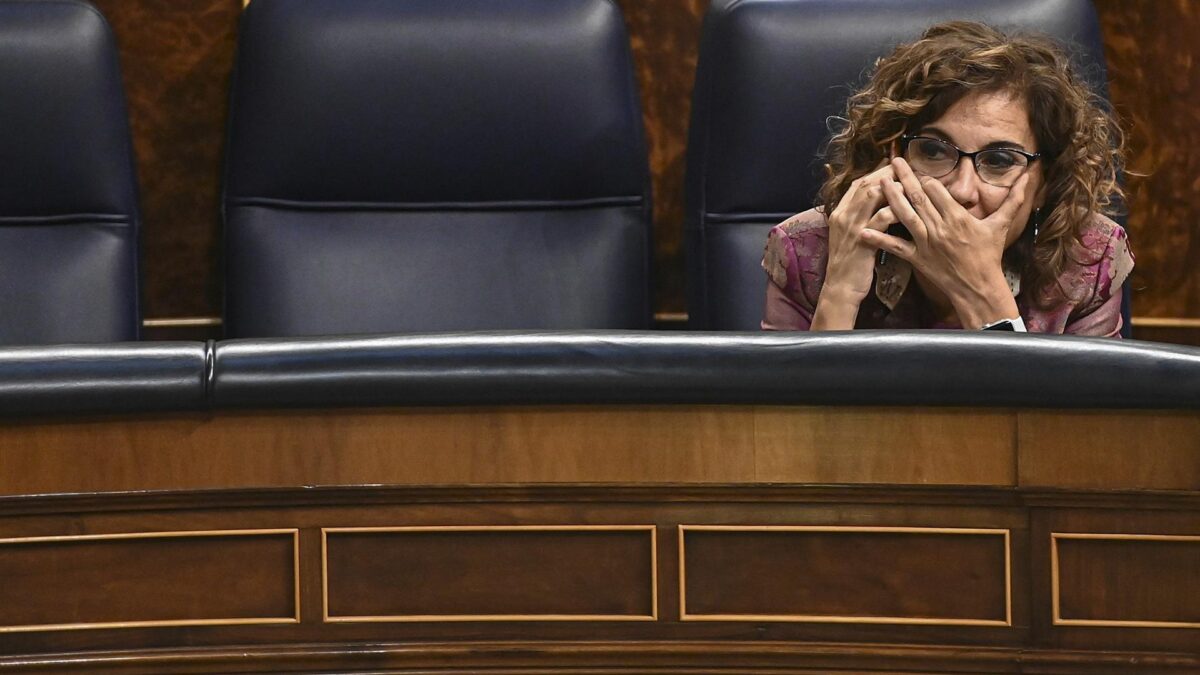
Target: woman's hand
(955,251)
(851,267)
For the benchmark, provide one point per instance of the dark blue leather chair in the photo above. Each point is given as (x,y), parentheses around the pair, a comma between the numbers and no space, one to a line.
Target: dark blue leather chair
(770,73)
(68,198)
(435,165)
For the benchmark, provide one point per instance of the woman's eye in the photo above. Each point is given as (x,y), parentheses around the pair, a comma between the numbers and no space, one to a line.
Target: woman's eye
(999,160)
(933,150)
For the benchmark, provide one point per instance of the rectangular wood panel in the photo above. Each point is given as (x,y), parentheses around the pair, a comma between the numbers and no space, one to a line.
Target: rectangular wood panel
(1110,449)
(1130,580)
(490,573)
(896,575)
(225,577)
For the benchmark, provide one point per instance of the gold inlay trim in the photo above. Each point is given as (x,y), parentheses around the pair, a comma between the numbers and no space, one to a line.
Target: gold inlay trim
(660,317)
(197,534)
(1164,322)
(671,317)
(652,530)
(824,618)
(183,322)
(1055,596)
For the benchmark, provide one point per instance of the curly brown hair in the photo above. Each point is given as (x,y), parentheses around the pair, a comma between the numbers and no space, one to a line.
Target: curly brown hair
(1079,140)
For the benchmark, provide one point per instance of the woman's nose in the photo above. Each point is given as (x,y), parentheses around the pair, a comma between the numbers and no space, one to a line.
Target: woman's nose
(963,184)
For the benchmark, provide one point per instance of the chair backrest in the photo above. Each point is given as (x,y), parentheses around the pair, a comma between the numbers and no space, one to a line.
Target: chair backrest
(435,165)
(68,198)
(771,72)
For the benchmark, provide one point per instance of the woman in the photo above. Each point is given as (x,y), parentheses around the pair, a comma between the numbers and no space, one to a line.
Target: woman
(966,190)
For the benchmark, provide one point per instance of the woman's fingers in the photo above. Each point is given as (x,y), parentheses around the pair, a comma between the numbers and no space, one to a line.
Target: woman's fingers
(906,250)
(1011,206)
(883,219)
(942,200)
(915,191)
(865,196)
(903,210)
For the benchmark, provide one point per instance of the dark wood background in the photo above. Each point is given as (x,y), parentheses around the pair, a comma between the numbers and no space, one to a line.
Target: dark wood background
(177,56)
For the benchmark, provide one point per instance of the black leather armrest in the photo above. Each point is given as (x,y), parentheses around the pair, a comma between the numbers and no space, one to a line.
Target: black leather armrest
(952,368)
(105,378)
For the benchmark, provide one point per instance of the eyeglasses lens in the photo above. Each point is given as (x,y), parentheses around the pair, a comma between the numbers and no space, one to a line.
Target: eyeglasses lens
(937,158)
(1000,167)
(931,157)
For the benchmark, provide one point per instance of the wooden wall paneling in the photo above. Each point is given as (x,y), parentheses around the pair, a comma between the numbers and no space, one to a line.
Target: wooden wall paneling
(665,38)
(633,444)
(1148,580)
(409,446)
(685,444)
(1109,449)
(593,658)
(851,575)
(458,511)
(1124,578)
(176,58)
(490,573)
(669,644)
(873,445)
(1154,78)
(151,579)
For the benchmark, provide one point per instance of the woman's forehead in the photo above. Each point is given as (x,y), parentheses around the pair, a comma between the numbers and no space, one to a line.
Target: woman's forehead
(982,118)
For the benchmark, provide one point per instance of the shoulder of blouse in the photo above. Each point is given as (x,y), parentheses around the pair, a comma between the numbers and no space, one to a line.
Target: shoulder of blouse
(796,254)
(1100,265)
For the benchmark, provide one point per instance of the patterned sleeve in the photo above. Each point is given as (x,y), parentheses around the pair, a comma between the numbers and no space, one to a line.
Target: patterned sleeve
(1101,315)
(794,263)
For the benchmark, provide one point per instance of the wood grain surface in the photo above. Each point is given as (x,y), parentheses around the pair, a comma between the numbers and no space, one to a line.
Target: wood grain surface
(1154,76)
(855,552)
(176,58)
(490,573)
(1150,581)
(156,579)
(839,574)
(1110,567)
(606,444)
(1110,450)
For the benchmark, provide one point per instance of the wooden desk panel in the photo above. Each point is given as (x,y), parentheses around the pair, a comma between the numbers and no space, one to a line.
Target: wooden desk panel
(652,471)
(572,444)
(1115,450)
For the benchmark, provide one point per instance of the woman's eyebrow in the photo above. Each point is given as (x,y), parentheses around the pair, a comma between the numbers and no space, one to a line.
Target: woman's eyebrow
(934,131)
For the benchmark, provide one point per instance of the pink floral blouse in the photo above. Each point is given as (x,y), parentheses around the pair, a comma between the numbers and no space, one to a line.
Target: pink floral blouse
(798,248)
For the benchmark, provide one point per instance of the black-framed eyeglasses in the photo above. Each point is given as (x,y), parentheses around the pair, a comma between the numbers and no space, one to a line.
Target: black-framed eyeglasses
(936,158)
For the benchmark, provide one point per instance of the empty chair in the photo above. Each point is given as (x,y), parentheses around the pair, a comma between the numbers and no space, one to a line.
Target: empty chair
(433,165)
(771,75)
(68,199)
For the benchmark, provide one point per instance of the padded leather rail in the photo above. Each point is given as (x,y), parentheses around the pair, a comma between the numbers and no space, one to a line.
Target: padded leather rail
(110,378)
(858,368)
(604,367)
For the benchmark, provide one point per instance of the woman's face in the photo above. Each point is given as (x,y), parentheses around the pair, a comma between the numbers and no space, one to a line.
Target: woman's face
(982,120)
